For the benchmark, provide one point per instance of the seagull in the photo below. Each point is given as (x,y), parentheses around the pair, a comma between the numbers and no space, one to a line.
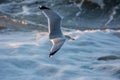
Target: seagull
(54,28)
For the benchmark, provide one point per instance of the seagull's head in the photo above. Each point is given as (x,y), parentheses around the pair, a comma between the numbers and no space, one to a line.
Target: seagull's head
(43,7)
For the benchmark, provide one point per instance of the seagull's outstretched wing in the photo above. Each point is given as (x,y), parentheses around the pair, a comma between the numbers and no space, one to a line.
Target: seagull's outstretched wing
(54,28)
(57,44)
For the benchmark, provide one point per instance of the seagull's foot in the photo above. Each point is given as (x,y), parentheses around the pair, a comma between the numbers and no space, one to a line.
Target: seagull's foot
(69,37)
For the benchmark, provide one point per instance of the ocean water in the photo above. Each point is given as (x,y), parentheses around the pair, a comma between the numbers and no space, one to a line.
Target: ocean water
(92,52)
(24,56)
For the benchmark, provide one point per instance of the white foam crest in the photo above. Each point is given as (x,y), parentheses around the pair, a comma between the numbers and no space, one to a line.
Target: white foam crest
(90,31)
(19,44)
(18,39)
(25,11)
(75,34)
(98,30)
(79,6)
(41,38)
(112,15)
(28,57)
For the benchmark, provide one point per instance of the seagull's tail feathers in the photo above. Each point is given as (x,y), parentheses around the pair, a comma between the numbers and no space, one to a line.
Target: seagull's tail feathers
(57,44)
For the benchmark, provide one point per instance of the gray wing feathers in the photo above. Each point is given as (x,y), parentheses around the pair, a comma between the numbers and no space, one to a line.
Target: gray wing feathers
(57,44)
(54,24)
(54,27)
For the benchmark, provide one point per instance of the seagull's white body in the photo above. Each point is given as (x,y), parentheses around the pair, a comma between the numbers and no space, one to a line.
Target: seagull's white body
(54,28)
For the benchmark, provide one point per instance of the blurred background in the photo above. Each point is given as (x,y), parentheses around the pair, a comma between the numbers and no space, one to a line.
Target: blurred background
(77,14)
(93,53)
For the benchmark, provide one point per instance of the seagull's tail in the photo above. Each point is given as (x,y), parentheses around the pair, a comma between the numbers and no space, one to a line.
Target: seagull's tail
(57,44)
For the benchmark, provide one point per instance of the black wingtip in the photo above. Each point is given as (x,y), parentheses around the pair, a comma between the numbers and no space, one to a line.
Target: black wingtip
(52,53)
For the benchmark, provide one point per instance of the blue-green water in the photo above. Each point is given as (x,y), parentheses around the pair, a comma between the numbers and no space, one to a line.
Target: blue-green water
(94,54)
(24,56)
